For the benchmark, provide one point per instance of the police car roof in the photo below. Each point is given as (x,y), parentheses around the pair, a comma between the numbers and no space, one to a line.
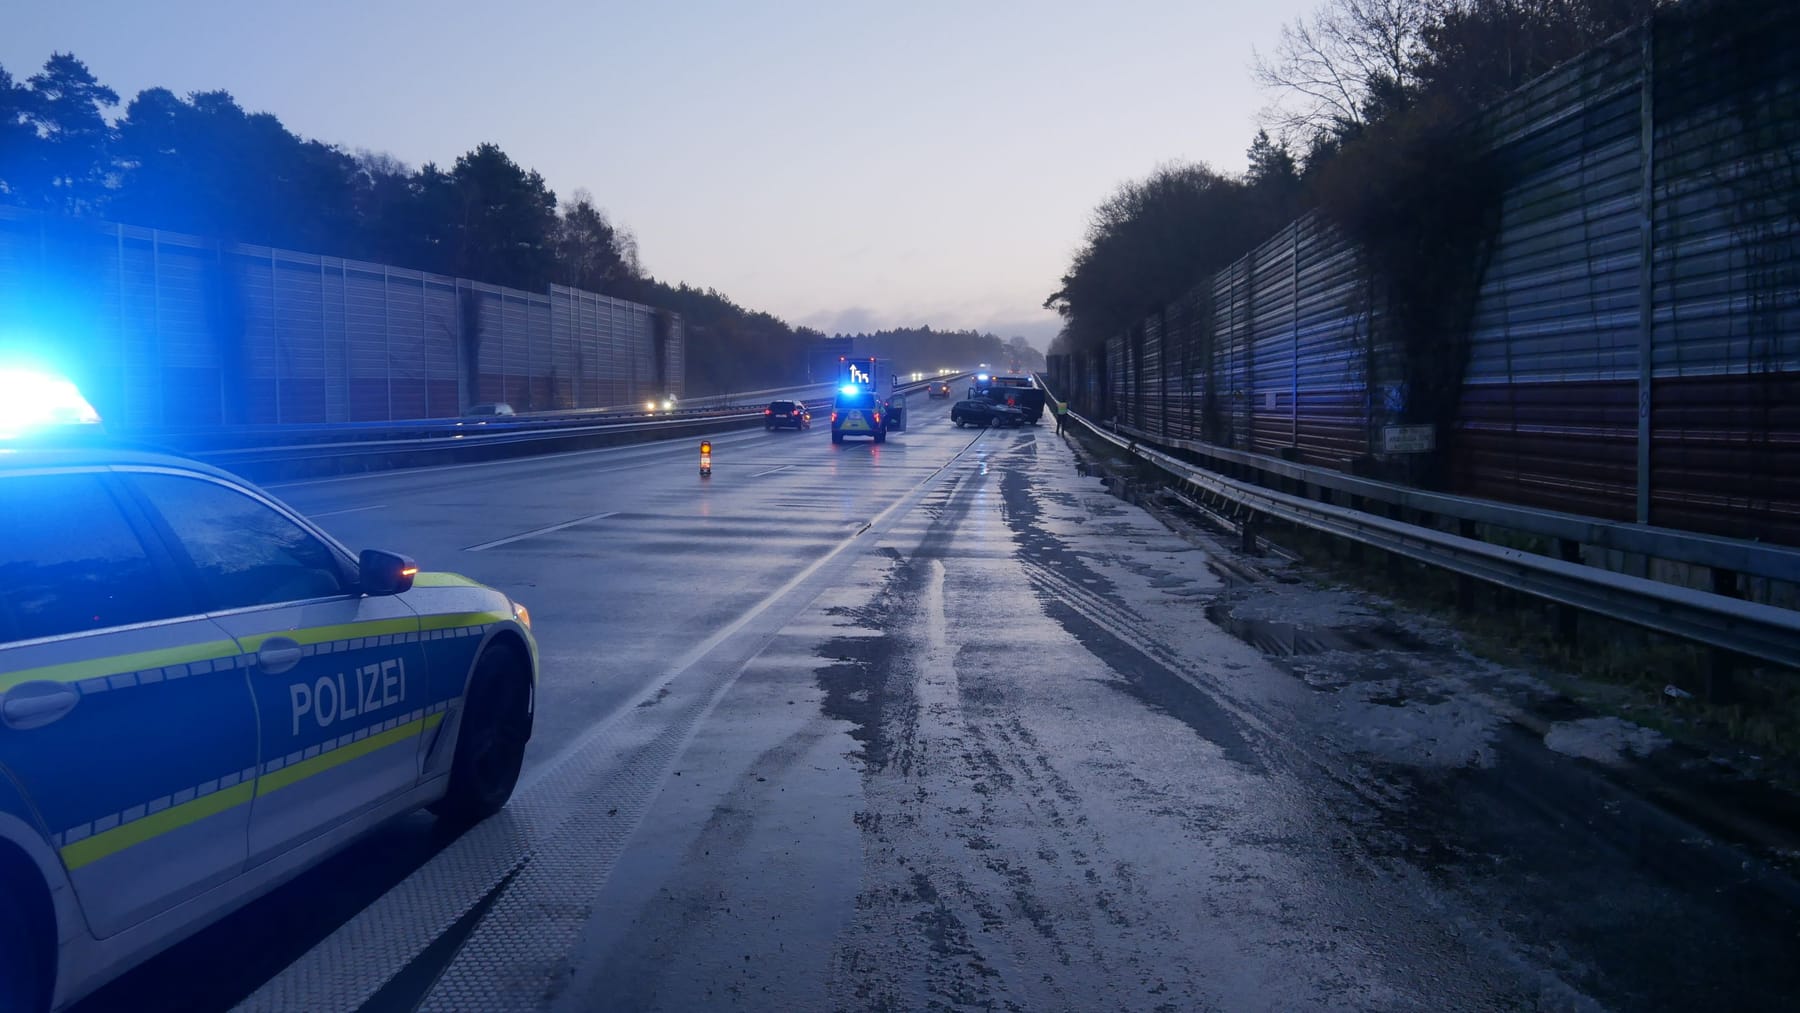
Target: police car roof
(52,450)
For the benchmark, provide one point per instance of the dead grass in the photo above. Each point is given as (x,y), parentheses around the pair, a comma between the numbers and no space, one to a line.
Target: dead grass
(1609,667)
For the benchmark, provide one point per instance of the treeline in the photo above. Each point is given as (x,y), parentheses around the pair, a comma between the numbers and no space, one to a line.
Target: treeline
(203,165)
(730,348)
(1369,101)
(921,349)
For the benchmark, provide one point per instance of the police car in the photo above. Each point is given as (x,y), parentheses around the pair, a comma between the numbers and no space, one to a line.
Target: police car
(857,413)
(202,695)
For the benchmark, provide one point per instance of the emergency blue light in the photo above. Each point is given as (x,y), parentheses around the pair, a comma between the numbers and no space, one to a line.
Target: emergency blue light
(850,388)
(30,399)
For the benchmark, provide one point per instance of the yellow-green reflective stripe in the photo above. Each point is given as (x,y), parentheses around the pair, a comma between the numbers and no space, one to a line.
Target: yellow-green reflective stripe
(343,754)
(212,650)
(92,849)
(434,579)
(453,620)
(327,634)
(94,668)
(374,628)
(111,842)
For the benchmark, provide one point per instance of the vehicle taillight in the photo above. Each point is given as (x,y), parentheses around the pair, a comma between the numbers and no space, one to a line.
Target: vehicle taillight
(834,416)
(878,418)
(768,411)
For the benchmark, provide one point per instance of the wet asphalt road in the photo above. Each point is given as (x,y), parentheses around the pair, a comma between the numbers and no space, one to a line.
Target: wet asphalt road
(940,724)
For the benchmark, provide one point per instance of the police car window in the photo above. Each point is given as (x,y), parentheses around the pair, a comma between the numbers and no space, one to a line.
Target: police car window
(244,552)
(70,562)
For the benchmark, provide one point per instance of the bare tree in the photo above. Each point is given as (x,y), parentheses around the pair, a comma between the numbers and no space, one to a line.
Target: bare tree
(1328,70)
(381,163)
(592,252)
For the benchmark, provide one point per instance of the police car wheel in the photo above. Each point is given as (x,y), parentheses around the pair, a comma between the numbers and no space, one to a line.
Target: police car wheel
(24,976)
(490,750)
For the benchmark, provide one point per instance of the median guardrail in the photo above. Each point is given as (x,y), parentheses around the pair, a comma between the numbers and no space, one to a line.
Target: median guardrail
(321,450)
(201,440)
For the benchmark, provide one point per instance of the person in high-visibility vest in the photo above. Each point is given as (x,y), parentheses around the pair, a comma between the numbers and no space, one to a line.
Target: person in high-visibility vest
(1062,412)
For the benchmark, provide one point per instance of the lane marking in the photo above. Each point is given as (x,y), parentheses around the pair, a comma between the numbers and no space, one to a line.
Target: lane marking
(771,471)
(557,822)
(534,928)
(346,510)
(521,536)
(906,502)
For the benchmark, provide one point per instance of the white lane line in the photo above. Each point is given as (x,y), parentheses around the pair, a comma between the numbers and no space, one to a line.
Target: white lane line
(388,934)
(346,510)
(496,543)
(771,471)
(906,502)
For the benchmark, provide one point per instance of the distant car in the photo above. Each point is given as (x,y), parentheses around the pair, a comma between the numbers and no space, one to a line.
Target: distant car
(939,390)
(980,412)
(781,414)
(498,408)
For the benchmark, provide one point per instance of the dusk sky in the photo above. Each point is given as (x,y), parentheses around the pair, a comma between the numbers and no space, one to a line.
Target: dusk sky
(843,165)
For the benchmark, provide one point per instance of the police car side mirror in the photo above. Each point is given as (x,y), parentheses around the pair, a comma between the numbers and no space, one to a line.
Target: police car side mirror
(382,573)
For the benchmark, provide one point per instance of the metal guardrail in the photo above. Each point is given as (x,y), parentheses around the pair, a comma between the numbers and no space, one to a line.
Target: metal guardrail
(1731,624)
(474,436)
(1754,559)
(201,441)
(451,441)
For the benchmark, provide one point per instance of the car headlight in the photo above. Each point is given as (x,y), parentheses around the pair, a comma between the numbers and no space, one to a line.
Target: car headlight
(522,614)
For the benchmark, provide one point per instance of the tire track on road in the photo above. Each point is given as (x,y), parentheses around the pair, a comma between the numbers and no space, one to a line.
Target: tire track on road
(559,837)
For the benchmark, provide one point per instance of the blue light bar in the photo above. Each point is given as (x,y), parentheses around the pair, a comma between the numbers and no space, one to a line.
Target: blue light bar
(30,399)
(850,388)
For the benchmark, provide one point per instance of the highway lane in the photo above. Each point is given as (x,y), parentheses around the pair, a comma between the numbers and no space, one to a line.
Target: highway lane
(1015,745)
(1015,760)
(626,557)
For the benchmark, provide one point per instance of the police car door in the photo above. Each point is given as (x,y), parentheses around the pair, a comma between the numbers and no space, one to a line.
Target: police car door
(125,718)
(339,677)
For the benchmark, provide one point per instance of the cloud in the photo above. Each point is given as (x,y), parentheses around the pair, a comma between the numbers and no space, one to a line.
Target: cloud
(1036,330)
(850,320)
